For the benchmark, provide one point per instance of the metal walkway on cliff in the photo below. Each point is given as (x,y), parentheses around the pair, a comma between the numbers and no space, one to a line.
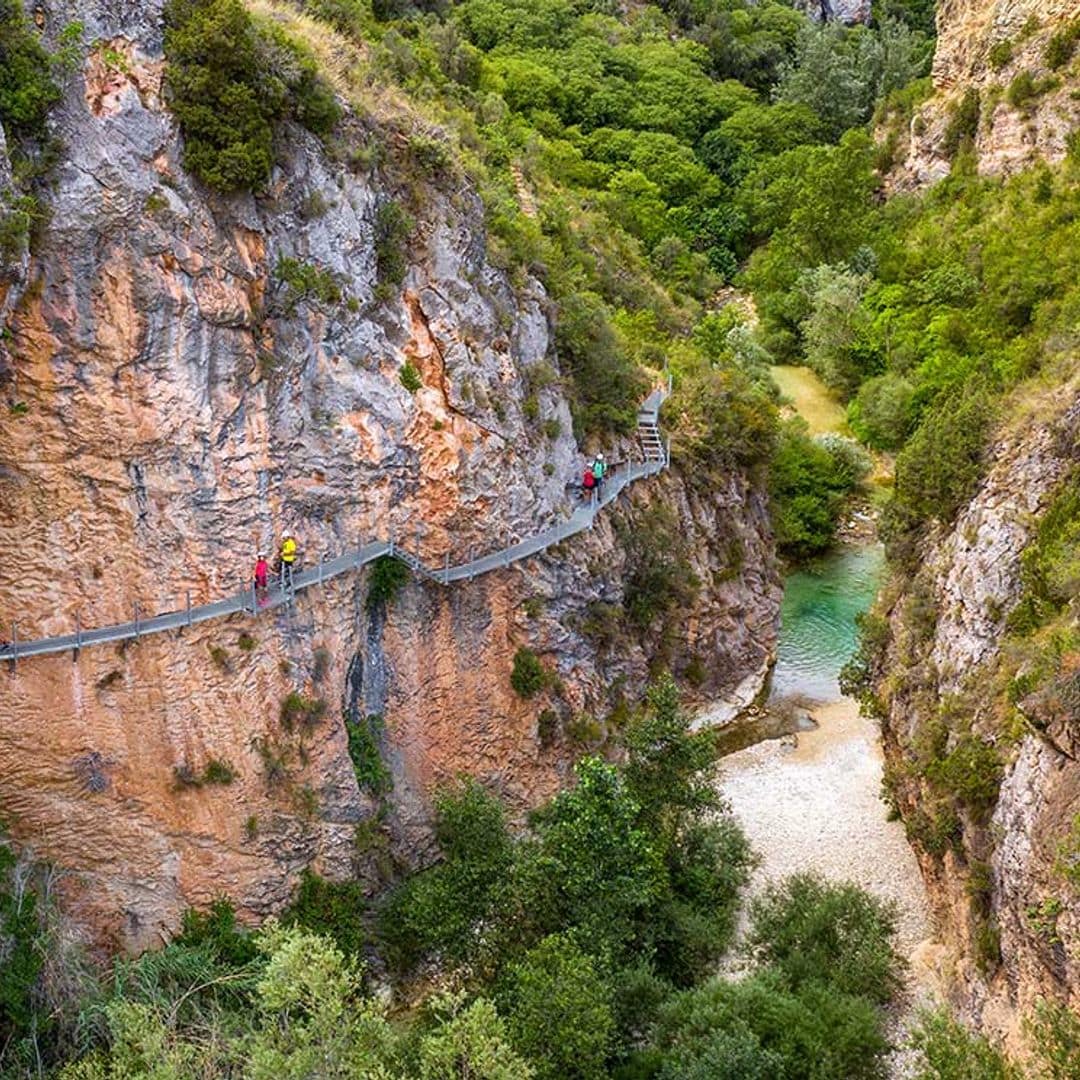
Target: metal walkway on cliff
(656,456)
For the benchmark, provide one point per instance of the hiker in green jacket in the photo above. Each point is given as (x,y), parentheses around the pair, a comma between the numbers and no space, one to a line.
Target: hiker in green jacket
(599,470)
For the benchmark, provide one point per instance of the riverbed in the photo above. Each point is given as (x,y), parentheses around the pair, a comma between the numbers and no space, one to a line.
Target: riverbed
(809,799)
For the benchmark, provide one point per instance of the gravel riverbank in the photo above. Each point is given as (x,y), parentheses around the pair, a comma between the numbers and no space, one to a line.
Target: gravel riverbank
(811,802)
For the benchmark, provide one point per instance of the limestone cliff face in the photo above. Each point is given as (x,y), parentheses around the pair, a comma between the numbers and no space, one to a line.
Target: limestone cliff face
(171,405)
(946,668)
(982,47)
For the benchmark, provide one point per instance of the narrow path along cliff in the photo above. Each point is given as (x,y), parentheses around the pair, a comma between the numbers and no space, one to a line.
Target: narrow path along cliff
(656,456)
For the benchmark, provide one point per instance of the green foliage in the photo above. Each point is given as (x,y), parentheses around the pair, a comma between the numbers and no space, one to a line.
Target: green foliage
(1067,860)
(1061,46)
(1055,1032)
(17,224)
(365,736)
(607,386)
(971,772)
(393,227)
(216,931)
(230,82)
(808,482)
(668,767)
(27,88)
(332,909)
(1022,90)
(528,676)
(592,865)
(658,578)
(441,908)
(883,411)
(410,377)
(469,1042)
(19,946)
(1050,565)
(940,465)
(963,123)
(1001,52)
(839,74)
(758,1028)
(301,713)
(306,282)
(558,1008)
(809,930)
(948,1051)
(218,771)
(386,578)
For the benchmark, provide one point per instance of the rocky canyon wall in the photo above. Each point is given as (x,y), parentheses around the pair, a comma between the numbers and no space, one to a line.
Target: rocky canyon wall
(997,84)
(173,399)
(981,727)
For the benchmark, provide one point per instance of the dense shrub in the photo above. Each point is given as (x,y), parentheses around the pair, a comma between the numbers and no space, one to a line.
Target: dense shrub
(883,411)
(948,1051)
(230,81)
(607,387)
(963,123)
(557,1003)
(441,908)
(809,930)
(393,227)
(386,578)
(528,676)
(759,1027)
(365,735)
(27,88)
(333,909)
(658,577)
(808,482)
(942,462)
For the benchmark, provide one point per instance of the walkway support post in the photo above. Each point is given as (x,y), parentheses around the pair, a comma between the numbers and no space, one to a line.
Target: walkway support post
(137,630)
(78,638)
(14,643)
(189,607)
(321,557)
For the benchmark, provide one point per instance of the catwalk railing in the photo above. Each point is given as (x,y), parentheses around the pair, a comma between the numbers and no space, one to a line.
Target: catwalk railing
(255,602)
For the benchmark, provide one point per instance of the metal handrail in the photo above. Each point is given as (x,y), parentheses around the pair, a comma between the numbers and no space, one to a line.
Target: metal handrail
(247,600)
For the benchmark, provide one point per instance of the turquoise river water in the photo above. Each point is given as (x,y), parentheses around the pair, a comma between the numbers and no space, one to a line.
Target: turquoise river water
(817,628)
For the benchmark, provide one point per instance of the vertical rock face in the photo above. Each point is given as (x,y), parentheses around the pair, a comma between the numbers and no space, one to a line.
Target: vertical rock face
(985,50)
(173,402)
(996,872)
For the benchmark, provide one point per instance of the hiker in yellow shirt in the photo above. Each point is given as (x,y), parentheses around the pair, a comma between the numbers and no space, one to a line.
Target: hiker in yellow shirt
(288,559)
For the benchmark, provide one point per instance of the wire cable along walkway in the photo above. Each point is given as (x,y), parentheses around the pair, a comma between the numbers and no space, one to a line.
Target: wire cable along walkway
(657,456)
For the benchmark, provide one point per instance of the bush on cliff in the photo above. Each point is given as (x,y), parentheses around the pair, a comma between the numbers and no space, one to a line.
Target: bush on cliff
(27,89)
(230,81)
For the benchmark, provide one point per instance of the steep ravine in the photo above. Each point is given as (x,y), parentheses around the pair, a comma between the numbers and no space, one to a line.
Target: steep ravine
(989,851)
(171,404)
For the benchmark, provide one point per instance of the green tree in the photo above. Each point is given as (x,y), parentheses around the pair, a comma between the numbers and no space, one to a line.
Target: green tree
(810,930)
(229,82)
(470,1043)
(836,330)
(668,768)
(942,462)
(311,1019)
(441,907)
(883,411)
(591,865)
(558,1009)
